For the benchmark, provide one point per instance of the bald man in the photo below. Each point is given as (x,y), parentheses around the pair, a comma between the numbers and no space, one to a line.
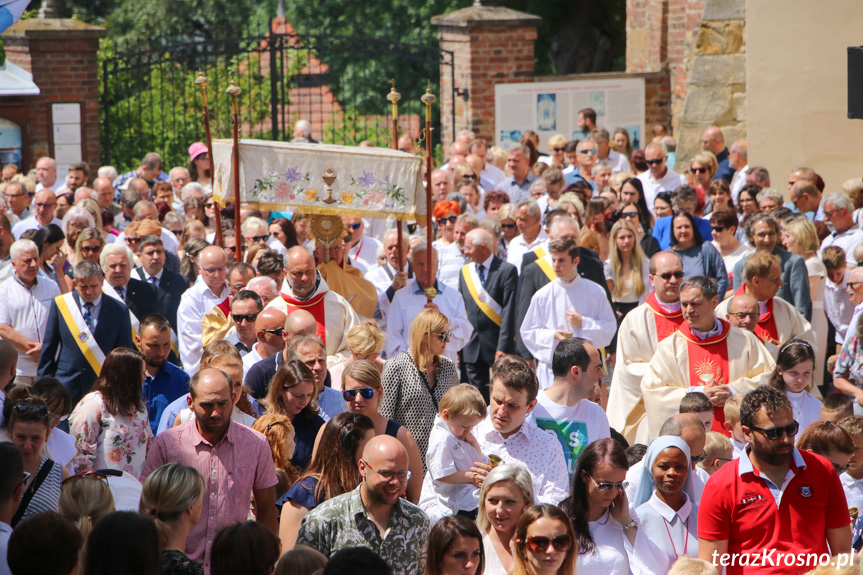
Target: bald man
(658,177)
(743,312)
(488,286)
(360,517)
(44,205)
(305,288)
(270,335)
(297,324)
(210,290)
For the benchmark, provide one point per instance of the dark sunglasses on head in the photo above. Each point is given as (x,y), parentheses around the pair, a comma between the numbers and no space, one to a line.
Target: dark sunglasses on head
(774,433)
(507,226)
(539,543)
(717,229)
(356,226)
(654,162)
(249,317)
(668,275)
(99,474)
(351,394)
(443,221)
(31,407)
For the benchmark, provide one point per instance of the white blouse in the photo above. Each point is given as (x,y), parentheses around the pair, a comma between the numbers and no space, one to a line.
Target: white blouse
(673,533)
(615,555)
(493,564)
(805,407)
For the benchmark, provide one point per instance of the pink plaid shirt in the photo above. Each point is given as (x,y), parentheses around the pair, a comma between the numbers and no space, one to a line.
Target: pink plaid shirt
(240,463)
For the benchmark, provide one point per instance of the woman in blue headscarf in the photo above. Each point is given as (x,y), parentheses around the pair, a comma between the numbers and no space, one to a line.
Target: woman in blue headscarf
(665,501)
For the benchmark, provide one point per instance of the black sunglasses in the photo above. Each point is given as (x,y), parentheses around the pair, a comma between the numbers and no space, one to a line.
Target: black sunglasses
(356,226)
(412,228)
(775,433)
(559,149)
(442,221)
(31,407)
(249,317)
(445,336)
(654,162)
(629,215)
(668,275)
(260,238)
(276,331)
(717,229)
(507,226)
(840,469)
(351,394)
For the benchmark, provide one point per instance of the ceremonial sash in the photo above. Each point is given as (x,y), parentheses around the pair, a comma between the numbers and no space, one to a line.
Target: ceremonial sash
(540,252)
(481,298)
(314,306)
(666,323)
(708,360)
(765,329)
(544,264)
(79,330)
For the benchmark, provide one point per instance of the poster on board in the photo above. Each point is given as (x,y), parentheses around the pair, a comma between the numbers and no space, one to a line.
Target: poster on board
(550,108)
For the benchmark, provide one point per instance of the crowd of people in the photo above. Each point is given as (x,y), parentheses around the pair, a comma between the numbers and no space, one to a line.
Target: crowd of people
(601,365)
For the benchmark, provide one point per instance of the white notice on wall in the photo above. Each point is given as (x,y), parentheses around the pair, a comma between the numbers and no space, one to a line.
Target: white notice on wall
(550,108)
(66,130)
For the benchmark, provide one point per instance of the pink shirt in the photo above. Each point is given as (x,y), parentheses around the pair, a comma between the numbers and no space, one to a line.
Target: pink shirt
(239,463)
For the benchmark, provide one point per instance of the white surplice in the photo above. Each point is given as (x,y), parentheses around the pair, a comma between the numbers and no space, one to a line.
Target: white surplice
(547,314)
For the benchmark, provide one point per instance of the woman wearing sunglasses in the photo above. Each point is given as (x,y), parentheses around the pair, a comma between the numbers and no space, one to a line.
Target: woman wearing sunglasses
(543,543)
(88,246)
(724,225)
(608,538)
(701,170)
(415,380)
(830,441)
(631,212)
(449,255)
(27,420)
(665,501)
(508,228)
(363,392)
(333,472)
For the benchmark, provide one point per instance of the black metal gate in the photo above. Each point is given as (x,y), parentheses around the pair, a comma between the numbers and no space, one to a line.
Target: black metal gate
(339,84)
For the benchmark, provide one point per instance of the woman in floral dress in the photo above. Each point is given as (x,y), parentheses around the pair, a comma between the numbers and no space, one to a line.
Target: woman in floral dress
(110,424)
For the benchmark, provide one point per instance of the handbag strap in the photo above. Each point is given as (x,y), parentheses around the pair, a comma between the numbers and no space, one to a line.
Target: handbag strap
(31,491)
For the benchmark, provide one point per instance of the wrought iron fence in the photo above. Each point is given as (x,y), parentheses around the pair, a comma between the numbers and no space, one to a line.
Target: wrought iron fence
(339,84)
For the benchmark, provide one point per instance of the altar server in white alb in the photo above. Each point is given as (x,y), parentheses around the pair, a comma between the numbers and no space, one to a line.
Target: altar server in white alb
(411,300)
(569,306)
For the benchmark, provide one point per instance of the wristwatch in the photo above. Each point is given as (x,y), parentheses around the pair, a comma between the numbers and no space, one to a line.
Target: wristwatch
(630,525)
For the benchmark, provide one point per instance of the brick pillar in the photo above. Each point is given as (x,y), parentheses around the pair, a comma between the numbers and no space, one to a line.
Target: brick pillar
(62,57)
(491,45)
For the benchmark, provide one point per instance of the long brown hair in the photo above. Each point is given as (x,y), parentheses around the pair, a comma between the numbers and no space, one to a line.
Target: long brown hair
(334,464)
(291,374)
(120,381)
(441,537)
(520,537)
(793,352)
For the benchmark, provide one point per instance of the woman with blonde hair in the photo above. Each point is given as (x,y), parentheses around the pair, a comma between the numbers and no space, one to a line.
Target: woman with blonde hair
(508,229)
(415,380)
(800,237)
(620,142)
(84,500)
(506,493)
(88,246)
(189,262)
(543,543)
(172,496)
(626,269)
(701,171)
(365,341)
(293,393)
(93,208)
(279,431)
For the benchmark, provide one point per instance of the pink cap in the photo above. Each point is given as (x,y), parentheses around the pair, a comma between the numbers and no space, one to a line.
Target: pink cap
(196,150)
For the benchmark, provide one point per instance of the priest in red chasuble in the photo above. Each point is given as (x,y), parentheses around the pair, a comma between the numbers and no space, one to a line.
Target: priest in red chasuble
(706,354)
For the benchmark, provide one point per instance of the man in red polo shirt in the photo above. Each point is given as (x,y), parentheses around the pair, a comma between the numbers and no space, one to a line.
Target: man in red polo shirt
(774,510)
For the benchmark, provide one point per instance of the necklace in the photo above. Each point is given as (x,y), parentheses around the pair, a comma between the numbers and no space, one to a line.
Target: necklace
(685,537)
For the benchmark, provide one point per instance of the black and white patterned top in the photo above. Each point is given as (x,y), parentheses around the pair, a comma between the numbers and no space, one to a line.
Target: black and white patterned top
(47,497)
(409,401)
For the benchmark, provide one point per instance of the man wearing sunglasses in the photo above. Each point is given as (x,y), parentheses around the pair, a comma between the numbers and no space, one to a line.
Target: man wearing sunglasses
(637,338)
(778,321)
(585,153)
(269,337)
(704,353)
(44,204)
(299,323)
(362,249)
(658,178)
(746,507)
(218,323)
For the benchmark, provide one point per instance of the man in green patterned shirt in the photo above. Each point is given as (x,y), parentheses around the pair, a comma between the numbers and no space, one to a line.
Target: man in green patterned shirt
(373,515)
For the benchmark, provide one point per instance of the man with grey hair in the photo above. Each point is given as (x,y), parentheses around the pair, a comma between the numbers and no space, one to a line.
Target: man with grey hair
(140,297)
(44,205)
(684,199)
(265,287)
(410,301)
(24,304)
(179,177)
(601,174)
(517,185)
(585,157)
(83,327)
(704,353)
(738,160)
(658,177)
(528,220)
(46,173)
(192,190)
(614,159)
(387,278)
(303,133)
(839,211)
(488,286)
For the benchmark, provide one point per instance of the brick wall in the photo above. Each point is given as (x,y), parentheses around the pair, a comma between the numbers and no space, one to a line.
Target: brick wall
(62,56)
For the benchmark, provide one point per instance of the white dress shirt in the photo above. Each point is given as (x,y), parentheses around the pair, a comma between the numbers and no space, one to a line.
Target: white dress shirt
(668,183)
(519,246)
(738,181)
(381,277)
(617,161)
(451,260)
(847,240)
(364,255)
(26,311)
(536,450)
(31,223)
(251,359)
(838,306)
(196,302)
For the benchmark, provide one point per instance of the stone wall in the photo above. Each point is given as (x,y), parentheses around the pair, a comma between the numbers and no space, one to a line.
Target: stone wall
(716,93)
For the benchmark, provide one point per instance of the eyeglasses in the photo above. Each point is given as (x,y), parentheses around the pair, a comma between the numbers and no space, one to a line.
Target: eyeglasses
(507,226)
(587,152)
(356,226)
(44,205)
(91,249)
(654,162)
(443,221)
(775,433)
(717,229)
(668,275)
(351,394)
(629,215)
(840,469)
(278,331)
(741,315)
(539,543)
(699,458)
(31,407)
(607,486)
(558,149)
(698,170)
(387,475)
(260,238)
(445,336)
(852,284)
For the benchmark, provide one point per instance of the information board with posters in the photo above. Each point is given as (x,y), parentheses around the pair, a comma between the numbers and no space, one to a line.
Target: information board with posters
(550,108)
